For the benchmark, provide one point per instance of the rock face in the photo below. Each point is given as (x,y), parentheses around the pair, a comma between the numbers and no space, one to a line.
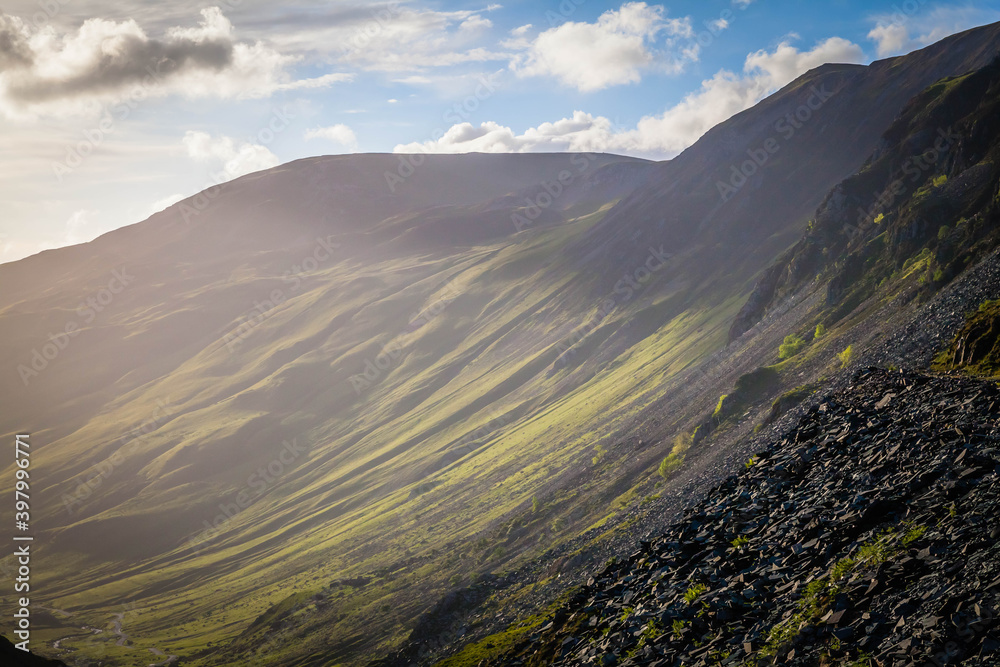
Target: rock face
(977,346)
(867,536)
(11,656)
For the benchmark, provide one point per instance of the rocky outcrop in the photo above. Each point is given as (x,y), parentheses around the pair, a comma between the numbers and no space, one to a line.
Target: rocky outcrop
(867,536)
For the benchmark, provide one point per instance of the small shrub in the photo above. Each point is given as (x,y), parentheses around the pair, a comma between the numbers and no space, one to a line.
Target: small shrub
(599,453)
(741,541)
(940,180)
(846,356)
(943,232)
(694,592)
(820,331)
(535,505)
(793,345)
(669,465)
(720,405)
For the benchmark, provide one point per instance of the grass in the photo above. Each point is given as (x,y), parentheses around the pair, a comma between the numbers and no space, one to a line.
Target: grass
(976,347)
(818,594)
(792,345)
(694,592)
(846,356)
(473,419)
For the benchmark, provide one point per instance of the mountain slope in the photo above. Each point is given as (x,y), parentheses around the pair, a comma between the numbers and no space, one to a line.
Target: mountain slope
(293,411)
(926,200)
(864,534)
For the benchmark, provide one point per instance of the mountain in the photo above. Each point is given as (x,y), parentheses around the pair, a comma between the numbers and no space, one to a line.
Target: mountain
(924,199)
(360,404)
(814,554)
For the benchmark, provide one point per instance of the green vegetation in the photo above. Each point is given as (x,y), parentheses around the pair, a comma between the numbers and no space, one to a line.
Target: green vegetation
(943,232)
(820,331)
(740,542)
(599,453)
(846,356)
(669,465)
(818,594)
(976,347)
(793,345)
(720,405)
(940,180)
(694,592)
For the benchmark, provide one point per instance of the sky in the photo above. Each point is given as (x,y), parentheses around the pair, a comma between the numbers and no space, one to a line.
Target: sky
(112,111)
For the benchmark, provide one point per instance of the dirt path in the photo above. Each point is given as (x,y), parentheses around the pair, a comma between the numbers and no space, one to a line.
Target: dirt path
(159,653)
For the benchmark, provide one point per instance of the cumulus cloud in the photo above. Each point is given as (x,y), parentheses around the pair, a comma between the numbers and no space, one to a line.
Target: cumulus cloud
(611,51)
(339,134)
(899,33)
(42,70)
(662,135)
(235,158)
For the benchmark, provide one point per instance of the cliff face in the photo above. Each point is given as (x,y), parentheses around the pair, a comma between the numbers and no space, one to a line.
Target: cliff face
(927,194)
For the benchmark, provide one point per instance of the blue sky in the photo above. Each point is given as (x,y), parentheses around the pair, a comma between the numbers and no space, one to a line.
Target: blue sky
(112,111)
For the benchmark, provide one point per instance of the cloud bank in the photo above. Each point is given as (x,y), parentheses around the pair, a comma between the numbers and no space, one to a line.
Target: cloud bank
(662,135)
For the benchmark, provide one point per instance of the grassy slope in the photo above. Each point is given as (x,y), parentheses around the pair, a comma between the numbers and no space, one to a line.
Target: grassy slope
(377,491)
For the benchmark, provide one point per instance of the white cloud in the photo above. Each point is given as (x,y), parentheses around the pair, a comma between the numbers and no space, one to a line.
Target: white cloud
(414,80)
(475,23)
(43,71)
(81,227)
(339,134)
(900,33)
(235,158)
(612,51)
(661,135)
(406,40)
